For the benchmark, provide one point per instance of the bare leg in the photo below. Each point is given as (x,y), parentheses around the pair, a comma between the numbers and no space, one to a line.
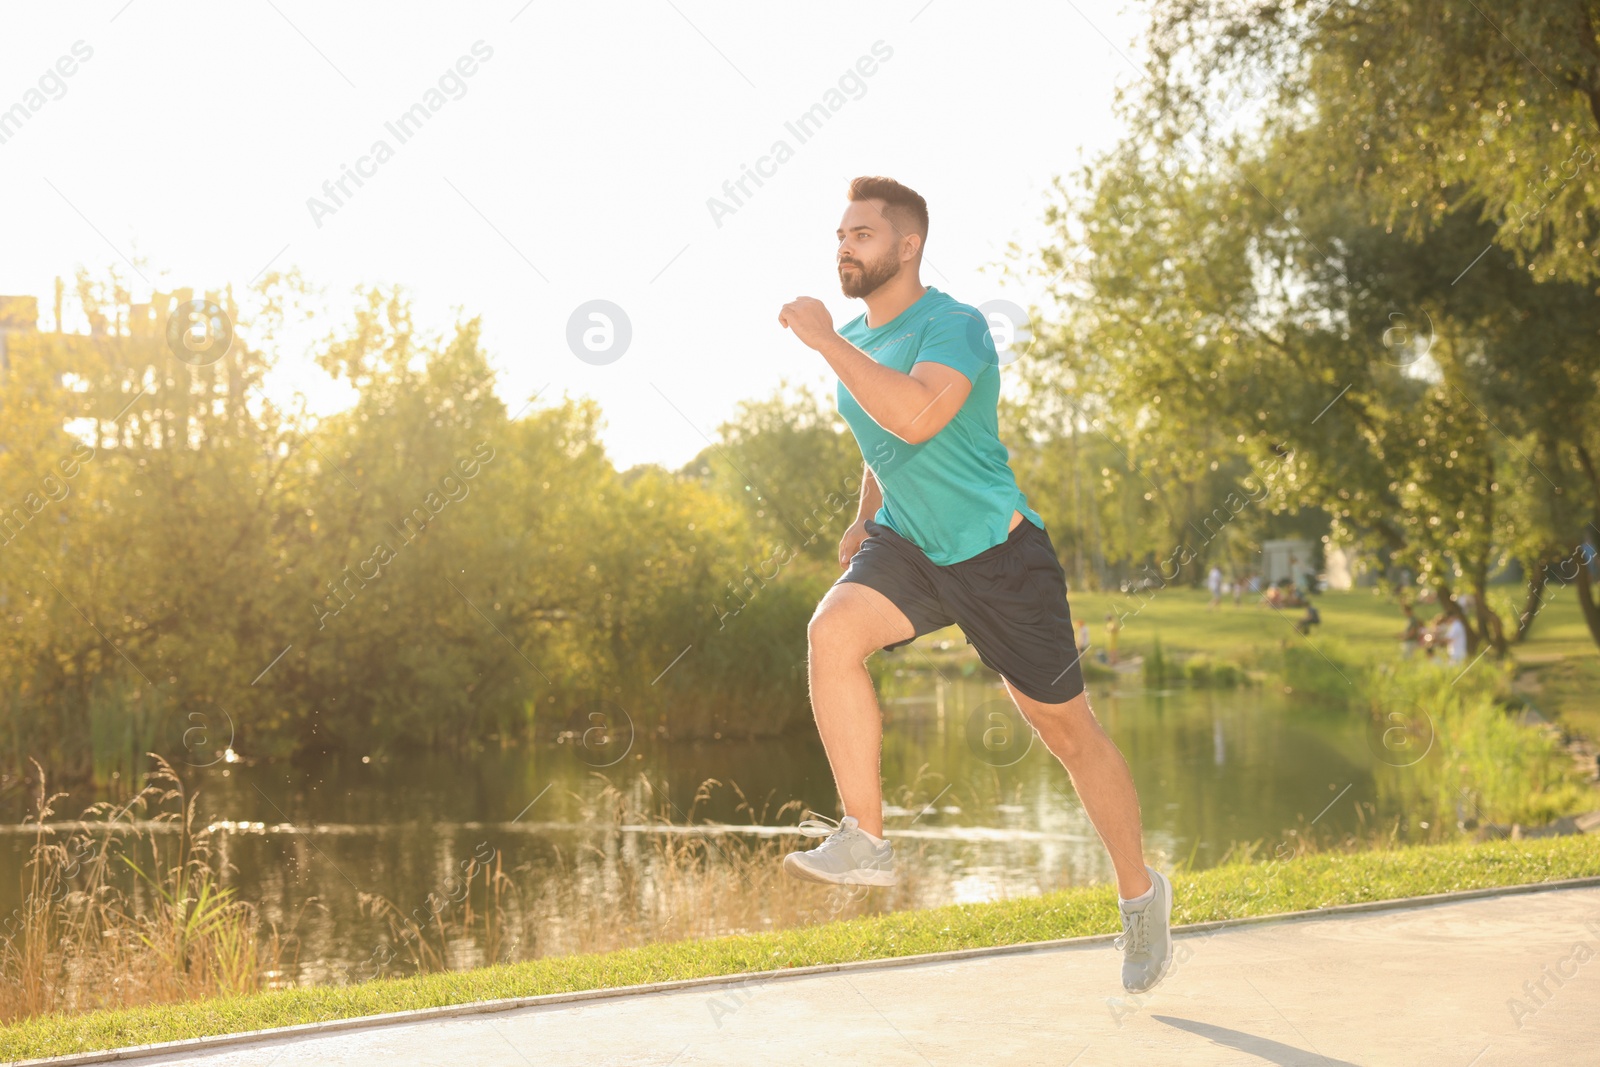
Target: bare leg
(1101,777)
(851,622)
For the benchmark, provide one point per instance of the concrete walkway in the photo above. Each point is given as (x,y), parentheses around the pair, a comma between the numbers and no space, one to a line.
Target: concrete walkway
(1455,983)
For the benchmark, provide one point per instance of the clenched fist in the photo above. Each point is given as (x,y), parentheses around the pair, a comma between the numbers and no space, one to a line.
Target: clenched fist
(809,319)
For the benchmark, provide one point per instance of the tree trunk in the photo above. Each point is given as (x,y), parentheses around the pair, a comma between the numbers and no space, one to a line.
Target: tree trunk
(1535,601)
(1489,624)
(1591,612)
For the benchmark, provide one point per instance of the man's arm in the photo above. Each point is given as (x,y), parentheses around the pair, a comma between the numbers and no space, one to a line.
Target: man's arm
(871,499)
(871,494)
(912,406)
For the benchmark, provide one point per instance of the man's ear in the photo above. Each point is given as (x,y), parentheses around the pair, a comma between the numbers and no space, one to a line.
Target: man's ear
(911,247)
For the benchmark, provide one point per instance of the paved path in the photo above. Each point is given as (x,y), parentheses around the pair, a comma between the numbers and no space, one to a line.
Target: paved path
(1427,984)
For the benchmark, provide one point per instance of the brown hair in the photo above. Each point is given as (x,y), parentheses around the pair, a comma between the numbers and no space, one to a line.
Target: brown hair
(905,208)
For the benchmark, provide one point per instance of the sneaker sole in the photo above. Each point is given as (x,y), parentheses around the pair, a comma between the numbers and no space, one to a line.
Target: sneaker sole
(1166,964)
(860,876)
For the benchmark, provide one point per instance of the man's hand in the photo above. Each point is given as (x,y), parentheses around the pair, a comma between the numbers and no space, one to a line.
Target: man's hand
(809,319)
(851,541)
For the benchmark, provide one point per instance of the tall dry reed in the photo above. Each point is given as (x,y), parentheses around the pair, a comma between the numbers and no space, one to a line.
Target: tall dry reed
(80,940)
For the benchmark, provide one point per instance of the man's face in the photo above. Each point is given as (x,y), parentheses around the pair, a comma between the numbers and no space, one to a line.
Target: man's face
(869,248)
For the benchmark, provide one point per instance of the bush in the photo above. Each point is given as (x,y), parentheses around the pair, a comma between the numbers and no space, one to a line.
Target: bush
(1461,754)
(1326,672)
(1155,664)
(1204,671)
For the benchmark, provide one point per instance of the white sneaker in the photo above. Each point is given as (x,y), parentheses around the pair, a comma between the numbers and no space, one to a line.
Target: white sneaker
(1146,940)
(847,857)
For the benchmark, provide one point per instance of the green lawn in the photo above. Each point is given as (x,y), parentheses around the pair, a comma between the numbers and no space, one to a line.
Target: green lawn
(1359,623)
(1223,892)
(1366,622)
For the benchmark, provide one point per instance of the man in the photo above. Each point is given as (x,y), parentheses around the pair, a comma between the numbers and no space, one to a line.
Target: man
(943,535)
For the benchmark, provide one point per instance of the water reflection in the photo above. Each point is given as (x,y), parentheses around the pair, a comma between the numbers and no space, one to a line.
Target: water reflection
(316,842)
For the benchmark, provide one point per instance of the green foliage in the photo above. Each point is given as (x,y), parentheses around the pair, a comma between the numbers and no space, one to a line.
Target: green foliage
(184,566)
(793,467)
(1462,750)
(1156,668)
(1323,671)
(1208,672)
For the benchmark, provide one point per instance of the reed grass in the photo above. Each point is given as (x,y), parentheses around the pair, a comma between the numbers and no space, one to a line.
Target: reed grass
(689,880)
(80,941)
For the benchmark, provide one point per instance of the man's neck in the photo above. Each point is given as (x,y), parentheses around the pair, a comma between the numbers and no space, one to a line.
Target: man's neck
(892,297)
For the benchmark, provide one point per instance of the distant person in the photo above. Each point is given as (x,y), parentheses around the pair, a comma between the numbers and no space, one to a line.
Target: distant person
(1311,618)
(1411,636)
(1113,628)
(1455,638)
(1238,589)
(1083,636)
(1433,635)
(943,535)
(1214,583)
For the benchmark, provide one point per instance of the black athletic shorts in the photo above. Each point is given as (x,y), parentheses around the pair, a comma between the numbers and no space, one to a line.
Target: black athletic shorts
(1010,600)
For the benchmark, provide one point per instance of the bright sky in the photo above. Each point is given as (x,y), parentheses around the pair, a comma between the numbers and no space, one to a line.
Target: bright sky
(573,163)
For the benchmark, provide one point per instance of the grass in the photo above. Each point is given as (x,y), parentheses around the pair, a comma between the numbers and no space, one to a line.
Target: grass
(1565,689)
(1234,890)
(1466,757)
(1359,625)
(1368,622)
(79,939)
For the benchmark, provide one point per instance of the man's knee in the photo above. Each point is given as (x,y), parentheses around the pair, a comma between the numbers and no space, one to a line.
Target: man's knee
(833,633)
(1072,726)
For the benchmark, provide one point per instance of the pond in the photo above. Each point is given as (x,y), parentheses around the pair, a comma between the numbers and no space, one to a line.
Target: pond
(594,842)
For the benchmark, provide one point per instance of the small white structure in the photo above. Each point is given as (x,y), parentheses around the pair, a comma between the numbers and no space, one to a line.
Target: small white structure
(1289,558)
(1341,569)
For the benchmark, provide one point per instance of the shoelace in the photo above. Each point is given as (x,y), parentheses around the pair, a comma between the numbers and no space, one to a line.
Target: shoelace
(1135,933)
(821,826)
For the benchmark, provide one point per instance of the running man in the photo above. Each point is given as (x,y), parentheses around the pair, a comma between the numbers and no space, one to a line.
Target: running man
(944,535)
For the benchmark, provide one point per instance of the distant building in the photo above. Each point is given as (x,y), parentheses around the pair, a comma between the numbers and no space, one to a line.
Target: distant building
(18,314)
(1286,559)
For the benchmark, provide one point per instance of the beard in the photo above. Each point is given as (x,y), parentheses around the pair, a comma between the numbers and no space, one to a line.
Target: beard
(867,277)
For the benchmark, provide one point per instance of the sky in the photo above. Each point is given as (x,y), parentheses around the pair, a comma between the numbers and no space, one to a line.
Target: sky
(557,155)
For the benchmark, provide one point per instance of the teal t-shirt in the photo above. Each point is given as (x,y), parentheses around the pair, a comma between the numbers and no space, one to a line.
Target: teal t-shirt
(952,496)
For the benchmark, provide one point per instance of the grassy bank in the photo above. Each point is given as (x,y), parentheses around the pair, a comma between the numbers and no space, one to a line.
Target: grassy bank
(1205,647)
(1235,890)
